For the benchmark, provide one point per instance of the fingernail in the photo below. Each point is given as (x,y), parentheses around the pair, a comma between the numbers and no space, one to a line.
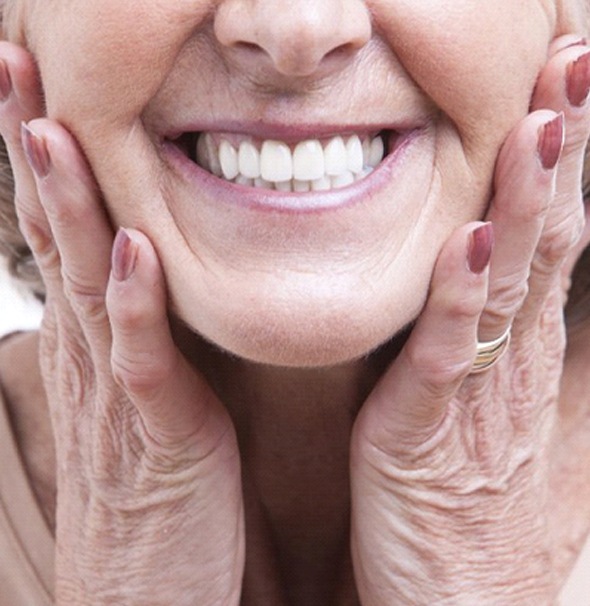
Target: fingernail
(578,80)
(124,256)
(5,81)
(550,144)
(35,151)
(480,248)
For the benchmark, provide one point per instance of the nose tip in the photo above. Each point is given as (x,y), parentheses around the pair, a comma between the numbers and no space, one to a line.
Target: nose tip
(298,37)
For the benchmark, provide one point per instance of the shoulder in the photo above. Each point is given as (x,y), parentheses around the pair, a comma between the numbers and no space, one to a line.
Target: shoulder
(20,376)
(20,373)
(21,387)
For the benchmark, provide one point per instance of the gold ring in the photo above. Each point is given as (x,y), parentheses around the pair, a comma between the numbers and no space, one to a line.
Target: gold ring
(489,352)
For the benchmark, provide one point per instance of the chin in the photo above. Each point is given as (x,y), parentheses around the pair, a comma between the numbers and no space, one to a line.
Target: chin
(314,332)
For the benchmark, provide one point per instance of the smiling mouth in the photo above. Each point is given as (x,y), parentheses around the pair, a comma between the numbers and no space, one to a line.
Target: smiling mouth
(307,165)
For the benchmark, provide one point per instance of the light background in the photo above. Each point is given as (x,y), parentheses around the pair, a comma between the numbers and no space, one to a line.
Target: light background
(18,309)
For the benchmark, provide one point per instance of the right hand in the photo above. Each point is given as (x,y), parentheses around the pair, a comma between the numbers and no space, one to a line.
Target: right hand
(149,492)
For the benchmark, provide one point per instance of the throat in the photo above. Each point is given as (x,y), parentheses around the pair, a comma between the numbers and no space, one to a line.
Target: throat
(294,429)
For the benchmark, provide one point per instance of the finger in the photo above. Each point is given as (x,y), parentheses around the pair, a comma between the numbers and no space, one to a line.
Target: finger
(410,401)
(563,85)
(524,182)
(21,101)
(79,226)
(173,400)
(566,41)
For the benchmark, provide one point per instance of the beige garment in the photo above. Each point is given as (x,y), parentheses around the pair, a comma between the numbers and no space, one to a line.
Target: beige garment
(26,544)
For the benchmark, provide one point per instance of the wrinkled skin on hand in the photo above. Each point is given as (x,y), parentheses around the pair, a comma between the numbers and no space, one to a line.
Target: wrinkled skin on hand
(453,493)
(147,458)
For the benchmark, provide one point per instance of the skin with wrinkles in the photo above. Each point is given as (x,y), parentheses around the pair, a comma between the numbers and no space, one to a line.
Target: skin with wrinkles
(359,270)
(300,468)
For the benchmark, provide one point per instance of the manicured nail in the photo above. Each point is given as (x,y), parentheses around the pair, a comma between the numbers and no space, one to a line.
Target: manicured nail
(550,144)
(480,248)
(124,256)
(5,81)
(35,151)
(578,80)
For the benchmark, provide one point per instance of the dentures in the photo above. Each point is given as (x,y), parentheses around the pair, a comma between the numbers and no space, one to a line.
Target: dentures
(309,165)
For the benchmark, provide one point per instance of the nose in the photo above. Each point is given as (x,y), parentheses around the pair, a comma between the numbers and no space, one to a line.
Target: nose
(296,37)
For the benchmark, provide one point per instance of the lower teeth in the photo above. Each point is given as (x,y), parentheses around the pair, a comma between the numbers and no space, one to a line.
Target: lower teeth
(294,185)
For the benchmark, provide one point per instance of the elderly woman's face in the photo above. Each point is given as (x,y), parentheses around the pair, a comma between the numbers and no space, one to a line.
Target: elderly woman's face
(298,278)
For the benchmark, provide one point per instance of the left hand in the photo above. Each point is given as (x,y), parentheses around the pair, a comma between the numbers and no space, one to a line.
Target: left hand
(149,494)
(450,470)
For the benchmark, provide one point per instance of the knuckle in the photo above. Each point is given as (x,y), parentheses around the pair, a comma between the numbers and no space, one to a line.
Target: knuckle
(48,259)
(139,375)
(465,308)
(77,373)
(85,300)
(36,233)
(71,366)
(128,317)
(439,372)
(505,298)
(558,240)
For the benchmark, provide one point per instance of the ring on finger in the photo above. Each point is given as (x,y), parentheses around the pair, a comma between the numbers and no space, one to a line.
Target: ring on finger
(489,352)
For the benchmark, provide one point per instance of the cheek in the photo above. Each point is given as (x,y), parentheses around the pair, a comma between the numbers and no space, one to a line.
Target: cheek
(477,60)
(87,74)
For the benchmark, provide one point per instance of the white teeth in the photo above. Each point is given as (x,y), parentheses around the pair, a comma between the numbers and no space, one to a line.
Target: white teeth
(243,180)
(354,154)
(283,186)
(321,184)
(249,160)
(376,153)
(342,180)
(260,182)
(276,162)
(308,160)
(366,150)
(203,157)
(208,156)
(301,185)
(228,158)
(335,156)
(272,165)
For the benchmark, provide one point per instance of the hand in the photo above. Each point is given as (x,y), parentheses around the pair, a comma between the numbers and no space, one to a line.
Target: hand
(149,491)
(451,473)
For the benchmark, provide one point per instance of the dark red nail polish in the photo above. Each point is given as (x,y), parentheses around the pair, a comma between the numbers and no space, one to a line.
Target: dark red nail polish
(5,81)
(578,80)
(480,248)
(550,144)
(124,256)
(36,151)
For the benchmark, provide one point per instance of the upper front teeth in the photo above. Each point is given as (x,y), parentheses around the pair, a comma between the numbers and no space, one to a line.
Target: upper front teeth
(274,165)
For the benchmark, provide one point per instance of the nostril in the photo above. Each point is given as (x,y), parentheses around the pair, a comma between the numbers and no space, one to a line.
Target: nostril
(297,38)
(250,47)
(341,52)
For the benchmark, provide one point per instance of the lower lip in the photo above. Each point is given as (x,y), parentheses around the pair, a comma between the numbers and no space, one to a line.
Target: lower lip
(293,202)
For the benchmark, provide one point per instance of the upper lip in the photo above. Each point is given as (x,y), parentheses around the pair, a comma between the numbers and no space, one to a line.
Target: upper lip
(287,132)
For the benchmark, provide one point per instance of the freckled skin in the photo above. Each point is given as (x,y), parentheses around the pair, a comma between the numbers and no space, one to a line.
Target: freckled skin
(284,289)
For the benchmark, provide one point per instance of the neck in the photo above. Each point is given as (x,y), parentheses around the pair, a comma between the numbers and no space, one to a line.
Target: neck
(294,427)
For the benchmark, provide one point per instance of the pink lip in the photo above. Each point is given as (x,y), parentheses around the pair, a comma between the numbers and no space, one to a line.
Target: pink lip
(283,132)
(292,202)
